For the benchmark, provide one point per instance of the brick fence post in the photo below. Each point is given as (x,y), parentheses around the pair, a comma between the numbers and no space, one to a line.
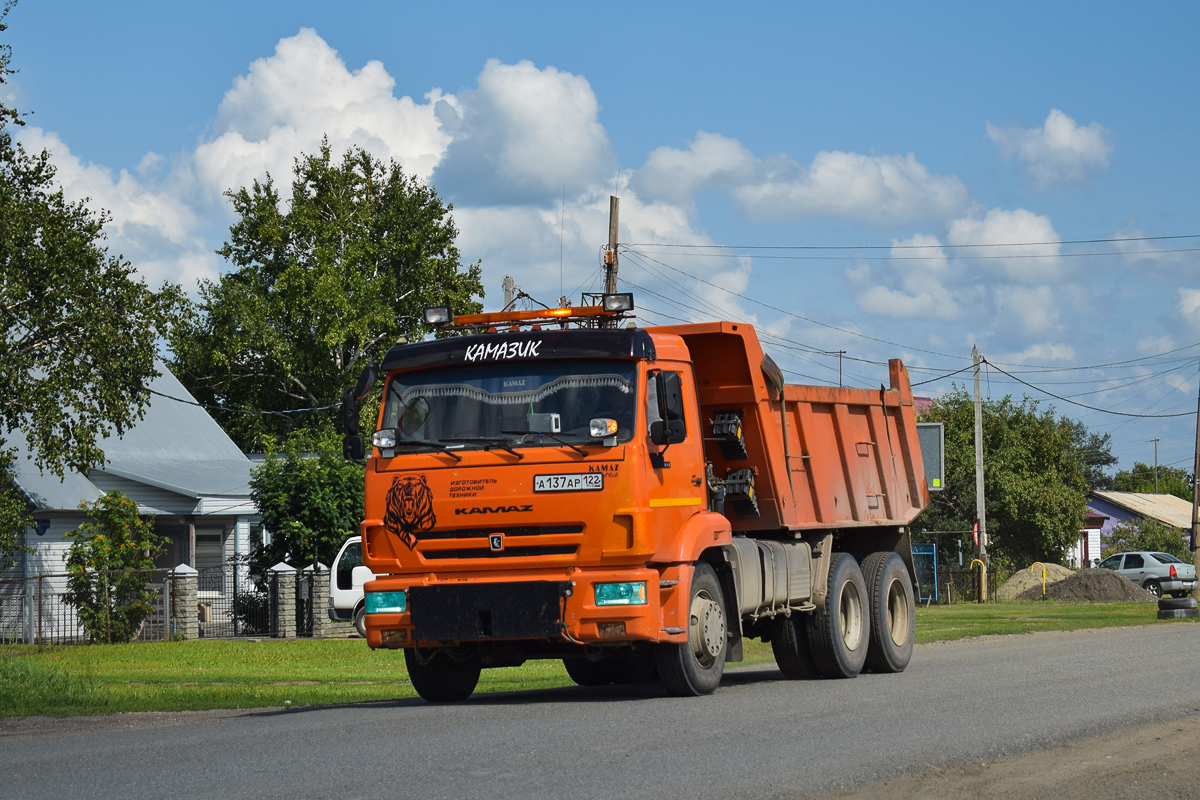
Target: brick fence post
(283,601)
(320,601)
(185,611)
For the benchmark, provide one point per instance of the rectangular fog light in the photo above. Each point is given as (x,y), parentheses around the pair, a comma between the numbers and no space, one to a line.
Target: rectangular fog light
(621,594)
(387,602)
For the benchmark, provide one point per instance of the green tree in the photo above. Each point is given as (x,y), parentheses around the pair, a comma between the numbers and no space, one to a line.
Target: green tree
(79,327)
(1171,480)
(310,499)
(318,290)
(1095,453)
(1033,478)
(104,584)
(1146,534)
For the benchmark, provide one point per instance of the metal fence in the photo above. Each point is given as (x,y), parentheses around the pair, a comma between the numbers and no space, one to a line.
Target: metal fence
(234,600)
(37,610)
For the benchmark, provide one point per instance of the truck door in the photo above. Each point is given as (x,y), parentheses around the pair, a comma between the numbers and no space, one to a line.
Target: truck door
(674,466)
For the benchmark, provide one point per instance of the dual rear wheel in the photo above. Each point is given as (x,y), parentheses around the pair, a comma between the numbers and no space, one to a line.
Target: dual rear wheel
(868,622)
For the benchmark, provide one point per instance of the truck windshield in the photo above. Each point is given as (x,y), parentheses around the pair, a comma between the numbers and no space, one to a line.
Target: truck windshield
(511,403)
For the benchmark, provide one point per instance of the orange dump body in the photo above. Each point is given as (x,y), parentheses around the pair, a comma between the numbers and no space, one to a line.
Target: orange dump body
(824,457)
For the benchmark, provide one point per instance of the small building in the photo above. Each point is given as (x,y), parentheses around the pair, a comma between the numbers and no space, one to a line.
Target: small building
(1118,508)
(177,464)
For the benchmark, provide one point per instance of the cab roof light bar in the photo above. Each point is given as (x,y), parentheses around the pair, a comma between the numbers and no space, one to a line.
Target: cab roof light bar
(612,306)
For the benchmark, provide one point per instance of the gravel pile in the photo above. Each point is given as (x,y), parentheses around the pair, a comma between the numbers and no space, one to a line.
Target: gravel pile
(1094,585)
(1014,586)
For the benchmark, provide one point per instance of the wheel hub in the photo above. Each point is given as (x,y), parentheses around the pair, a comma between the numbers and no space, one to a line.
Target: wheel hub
(706,628)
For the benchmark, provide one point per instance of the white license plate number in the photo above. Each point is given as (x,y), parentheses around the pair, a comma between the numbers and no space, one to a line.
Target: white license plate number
(573,482)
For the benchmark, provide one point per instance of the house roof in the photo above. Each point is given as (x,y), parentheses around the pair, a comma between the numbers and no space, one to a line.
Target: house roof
(1168,508)
(175,446)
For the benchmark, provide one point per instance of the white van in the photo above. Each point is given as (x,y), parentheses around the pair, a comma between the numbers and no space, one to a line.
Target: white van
(346,589)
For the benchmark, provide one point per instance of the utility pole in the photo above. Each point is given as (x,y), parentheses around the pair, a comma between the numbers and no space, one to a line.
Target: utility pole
(1196,493)
(1155,465)
(510,287)
(840,354)
(610,255)
(980,511)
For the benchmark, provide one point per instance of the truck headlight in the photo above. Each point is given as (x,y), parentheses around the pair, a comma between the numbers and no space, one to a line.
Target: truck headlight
(602,428)
(384,439)
(387,602)
(621,594)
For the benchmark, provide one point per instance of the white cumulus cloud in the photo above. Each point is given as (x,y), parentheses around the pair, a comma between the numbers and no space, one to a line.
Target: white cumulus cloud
(710,159)
(879,189)
(918,292)
(523,135)
(288,101)
(1023,246)
(1189,305)
(1058,152)
(1028,309)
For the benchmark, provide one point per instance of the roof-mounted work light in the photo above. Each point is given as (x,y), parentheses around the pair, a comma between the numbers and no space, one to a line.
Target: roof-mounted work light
(438,315)
(618,302)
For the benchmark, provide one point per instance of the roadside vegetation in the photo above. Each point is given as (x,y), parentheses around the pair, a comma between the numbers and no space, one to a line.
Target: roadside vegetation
(192,676)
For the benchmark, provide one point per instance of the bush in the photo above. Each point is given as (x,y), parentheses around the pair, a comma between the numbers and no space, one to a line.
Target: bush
(108,567)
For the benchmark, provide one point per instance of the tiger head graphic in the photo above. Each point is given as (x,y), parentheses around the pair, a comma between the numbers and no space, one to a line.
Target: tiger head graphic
(409,508)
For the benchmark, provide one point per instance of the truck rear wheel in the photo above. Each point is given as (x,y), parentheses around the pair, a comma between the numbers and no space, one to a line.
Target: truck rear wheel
(789,643)
(696,666)
(840,633)
(439,677)
(893,612)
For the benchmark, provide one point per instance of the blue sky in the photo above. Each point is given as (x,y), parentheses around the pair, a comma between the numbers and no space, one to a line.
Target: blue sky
(930,132)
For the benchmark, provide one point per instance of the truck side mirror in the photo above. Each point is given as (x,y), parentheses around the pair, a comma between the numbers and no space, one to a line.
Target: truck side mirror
(354,448)
(670,428)
(349,412)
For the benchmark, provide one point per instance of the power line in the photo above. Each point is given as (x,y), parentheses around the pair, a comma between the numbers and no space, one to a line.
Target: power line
(1090,408)
(1112,240)
(1009,256)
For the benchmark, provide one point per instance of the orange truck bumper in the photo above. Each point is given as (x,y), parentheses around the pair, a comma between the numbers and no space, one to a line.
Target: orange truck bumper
(662,618)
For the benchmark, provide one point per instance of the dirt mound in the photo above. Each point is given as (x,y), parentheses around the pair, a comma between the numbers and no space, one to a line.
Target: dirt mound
(1096,585)
(1014,586)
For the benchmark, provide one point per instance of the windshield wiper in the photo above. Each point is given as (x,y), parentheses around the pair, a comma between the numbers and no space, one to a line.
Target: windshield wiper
(425,443)
(488,444)
(552,437)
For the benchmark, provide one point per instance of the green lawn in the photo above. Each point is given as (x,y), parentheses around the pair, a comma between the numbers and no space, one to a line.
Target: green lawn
(174,676)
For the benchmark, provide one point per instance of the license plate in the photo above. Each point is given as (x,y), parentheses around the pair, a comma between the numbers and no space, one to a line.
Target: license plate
(573,482)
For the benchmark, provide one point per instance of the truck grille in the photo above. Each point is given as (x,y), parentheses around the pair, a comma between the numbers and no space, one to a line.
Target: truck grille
(526,541)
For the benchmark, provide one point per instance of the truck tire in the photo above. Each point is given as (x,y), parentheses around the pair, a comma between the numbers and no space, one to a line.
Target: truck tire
(438,677)
(789,643)
(696,666)
(840,633)
(893,612)
(585,673)
(360,620)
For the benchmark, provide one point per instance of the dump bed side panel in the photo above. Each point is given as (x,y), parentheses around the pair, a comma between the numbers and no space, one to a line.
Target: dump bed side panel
(838,458)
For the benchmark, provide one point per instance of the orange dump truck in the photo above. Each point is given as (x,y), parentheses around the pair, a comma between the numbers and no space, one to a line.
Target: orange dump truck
(633,501)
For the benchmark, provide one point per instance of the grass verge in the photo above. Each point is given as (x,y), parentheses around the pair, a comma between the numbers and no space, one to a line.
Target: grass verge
(188,676)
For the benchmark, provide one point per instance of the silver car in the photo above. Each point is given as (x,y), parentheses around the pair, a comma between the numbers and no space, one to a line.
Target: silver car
(1158,573)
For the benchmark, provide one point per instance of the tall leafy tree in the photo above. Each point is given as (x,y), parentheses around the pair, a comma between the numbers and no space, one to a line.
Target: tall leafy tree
(1142,478)
(1095,453)
(310,499)
(1034,479)
(322,283)
(79,327)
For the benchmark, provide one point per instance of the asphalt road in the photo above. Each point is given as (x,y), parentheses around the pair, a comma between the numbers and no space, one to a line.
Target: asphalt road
(757,736)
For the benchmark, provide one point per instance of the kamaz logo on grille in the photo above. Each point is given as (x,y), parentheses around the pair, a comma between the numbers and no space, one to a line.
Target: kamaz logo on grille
(496,541)
(493,510)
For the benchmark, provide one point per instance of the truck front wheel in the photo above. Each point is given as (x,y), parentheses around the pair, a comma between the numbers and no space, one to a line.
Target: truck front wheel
(893,612)
(440,677)
(840,633)
(696,666)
